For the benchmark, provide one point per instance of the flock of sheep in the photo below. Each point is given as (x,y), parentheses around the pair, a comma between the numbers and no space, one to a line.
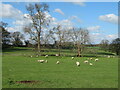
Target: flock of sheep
(77,62)
(87,61)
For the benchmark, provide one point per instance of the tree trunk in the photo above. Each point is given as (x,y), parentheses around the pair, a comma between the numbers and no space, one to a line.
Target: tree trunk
(59,48)
(79,50)
(117,52)
(39,49)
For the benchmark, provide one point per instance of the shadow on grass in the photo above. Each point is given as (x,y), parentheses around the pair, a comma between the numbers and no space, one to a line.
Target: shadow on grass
(14,49)
(104,53)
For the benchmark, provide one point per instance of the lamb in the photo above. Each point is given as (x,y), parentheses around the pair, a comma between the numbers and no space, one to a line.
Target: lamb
(86,61)
(90,64)
(96,59)
(31,56)
(78,63)
(58,62)
(46,56)
(72,58)
(41,61)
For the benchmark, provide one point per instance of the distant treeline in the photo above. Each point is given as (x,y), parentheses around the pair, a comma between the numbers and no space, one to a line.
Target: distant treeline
(51,46)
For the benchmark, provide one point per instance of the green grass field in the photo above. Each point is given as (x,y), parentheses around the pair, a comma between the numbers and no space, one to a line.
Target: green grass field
(19,67)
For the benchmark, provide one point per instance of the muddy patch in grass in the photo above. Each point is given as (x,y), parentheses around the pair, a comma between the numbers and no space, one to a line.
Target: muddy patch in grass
(27,82)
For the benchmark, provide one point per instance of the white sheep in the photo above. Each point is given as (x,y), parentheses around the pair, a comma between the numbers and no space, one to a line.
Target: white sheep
(41,61)
(58,62)
(86,61)
(78,63)
(90,64)
(56,55)
(108,56)
(31,56)
(72,58)
(38,60)
(46,61)
(96,59)
(46,56)
(91,58)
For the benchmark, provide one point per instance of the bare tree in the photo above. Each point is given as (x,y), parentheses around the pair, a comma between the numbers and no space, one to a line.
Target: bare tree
(37,13)
(48,37)
(58,33)
(80,37)
(61,36)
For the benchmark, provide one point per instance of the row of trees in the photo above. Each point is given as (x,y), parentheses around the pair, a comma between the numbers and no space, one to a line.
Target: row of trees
(114,46)
(76,37)
(8,38)
(41,33)
(58,33)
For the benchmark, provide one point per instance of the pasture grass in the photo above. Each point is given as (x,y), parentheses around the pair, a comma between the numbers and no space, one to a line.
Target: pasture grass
(19,67)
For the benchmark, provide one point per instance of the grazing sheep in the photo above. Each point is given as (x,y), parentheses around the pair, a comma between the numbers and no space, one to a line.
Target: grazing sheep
(78,63)
(38,60)
(90,64)
(86,61)
(46,61)
(58,62)
(96,59)
(41,61)
(72,58)
(91,58)
(56,55)
(31,56)
(108,56)
(46,56)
